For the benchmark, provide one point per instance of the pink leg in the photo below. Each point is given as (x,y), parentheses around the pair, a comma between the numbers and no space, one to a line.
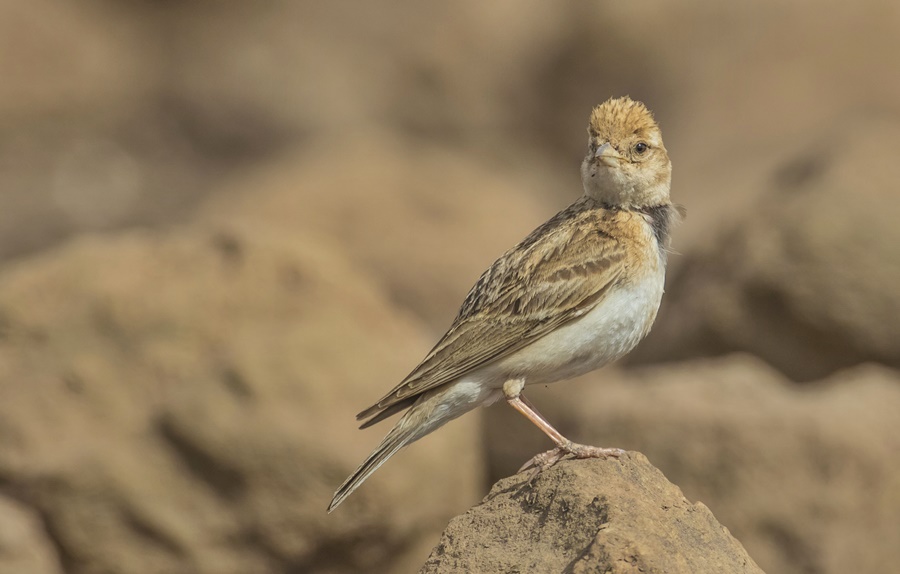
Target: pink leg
(563,445)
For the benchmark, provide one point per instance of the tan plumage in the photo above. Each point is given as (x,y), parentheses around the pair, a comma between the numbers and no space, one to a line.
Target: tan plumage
(579,291)
(559,272)
(622,116)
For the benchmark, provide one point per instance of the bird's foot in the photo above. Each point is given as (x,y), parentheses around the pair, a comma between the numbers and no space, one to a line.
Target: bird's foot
(547,459)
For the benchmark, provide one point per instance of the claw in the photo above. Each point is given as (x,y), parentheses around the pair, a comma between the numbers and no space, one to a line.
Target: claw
(545,460)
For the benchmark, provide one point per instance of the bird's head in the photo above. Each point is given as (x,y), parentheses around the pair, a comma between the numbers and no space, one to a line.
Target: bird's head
(626,164)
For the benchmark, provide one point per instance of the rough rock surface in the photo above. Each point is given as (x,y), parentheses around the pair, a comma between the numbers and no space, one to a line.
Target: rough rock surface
(804,477)
(615,516)
(184,403)
(809,279)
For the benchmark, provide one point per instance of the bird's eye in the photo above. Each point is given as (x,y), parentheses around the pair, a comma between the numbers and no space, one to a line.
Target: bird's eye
(641,147)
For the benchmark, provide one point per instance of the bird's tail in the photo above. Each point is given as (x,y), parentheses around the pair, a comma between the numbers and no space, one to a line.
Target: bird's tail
(430,411)
(393,442)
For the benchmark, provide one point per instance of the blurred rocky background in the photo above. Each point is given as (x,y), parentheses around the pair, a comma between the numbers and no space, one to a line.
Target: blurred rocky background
(226,227)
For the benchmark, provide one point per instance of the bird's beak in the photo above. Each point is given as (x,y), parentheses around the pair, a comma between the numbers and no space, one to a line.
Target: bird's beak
(608,155)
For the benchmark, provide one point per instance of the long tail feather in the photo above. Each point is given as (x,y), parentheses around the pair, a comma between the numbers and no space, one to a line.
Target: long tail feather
(429,412)
(393,442)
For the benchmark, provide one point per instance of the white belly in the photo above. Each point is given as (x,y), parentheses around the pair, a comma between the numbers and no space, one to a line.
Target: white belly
(606,333)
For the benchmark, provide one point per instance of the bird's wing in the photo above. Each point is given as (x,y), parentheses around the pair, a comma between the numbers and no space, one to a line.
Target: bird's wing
(558,273)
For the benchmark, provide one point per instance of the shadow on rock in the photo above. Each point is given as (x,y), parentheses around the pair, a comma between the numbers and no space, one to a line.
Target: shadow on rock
(585,516)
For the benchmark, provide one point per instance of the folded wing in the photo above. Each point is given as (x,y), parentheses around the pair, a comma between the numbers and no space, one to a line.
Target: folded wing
(557,274)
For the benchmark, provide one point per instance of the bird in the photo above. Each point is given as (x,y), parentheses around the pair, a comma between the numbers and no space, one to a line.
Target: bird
(577,293)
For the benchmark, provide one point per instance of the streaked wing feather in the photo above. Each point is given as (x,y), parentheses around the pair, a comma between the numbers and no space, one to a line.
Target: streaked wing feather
(533,289)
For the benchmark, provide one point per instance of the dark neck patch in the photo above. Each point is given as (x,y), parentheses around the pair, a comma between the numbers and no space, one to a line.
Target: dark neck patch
(662,217)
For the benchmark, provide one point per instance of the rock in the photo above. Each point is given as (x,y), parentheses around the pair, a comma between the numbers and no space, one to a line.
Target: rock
(82,171)
(70,55)
(807,280)
(24,546)
(87,141)
(424,220)
(804,477)
(589,516)
(315,68)
(184,402)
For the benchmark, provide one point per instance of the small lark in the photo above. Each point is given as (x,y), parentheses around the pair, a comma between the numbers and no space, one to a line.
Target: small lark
(582,290)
